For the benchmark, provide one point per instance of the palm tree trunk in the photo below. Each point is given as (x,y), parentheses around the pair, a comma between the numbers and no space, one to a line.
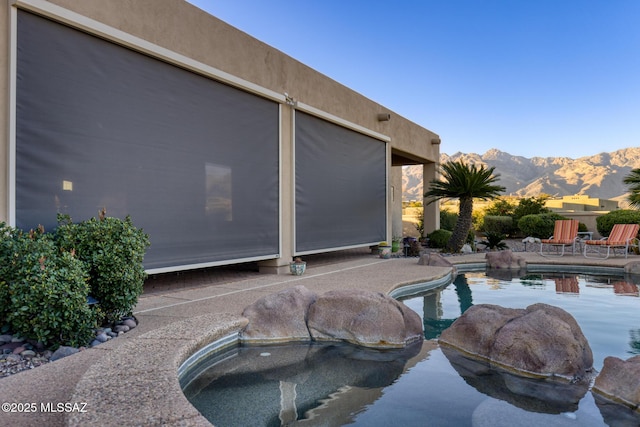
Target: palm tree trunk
(463,225)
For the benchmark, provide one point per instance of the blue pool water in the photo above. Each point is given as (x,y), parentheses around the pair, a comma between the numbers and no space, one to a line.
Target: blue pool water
(311,384)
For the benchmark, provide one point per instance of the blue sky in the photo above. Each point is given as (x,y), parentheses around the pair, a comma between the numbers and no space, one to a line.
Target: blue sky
(529,77)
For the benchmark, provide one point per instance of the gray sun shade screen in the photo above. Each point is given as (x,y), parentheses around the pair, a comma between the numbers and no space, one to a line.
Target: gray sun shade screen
(340,186)
(193,161)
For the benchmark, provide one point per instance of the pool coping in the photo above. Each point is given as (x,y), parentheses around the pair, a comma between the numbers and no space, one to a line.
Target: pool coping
(135,380)
(200,337)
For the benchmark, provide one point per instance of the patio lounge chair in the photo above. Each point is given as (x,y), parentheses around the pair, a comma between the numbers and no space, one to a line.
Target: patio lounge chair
(565,233)
(621,236)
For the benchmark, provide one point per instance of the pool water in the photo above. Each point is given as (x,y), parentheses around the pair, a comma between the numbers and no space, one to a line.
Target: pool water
(338,384)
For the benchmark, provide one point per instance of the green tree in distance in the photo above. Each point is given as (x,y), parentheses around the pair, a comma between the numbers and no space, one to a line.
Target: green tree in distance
(465,183)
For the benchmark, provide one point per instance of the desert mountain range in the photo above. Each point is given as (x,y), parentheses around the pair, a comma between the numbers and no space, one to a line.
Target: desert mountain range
(598,176)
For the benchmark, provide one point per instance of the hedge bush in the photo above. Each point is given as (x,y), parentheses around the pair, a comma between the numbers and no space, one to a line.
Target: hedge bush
(44,291)
(439,238)
(448,220)
(539,225)
(605,223)
(6,238)
(113,250)
(498,224)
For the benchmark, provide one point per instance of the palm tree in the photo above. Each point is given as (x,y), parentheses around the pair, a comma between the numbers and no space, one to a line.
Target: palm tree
(633,181)
(463,182)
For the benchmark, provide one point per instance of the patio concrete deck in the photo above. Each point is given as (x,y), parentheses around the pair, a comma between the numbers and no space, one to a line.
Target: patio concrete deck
(133,379)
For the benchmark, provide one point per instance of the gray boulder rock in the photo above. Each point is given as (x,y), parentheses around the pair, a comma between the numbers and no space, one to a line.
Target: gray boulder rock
(541,340)
(435,260)
(63,351)
(279,317)
(505,260)
(364,318)
(619,381)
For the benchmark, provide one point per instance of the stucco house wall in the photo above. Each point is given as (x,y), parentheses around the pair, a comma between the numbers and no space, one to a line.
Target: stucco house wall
(175,27)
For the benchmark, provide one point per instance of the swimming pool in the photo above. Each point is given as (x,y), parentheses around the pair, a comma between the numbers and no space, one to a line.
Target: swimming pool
(313,384)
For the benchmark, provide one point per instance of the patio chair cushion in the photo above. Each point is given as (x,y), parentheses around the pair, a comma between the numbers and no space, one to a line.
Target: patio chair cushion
(620,235)
(565,232)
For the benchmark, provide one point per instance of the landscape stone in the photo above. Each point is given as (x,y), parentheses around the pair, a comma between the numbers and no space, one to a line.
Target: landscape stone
(35,345)
(5,339)
(27,354)
(63,351)
(10,346)
(505,260)
(434,259)
(102,337)
(13,358)
(280,316)
(619,380)
(539,340)
(366,318)
(130,323)
(121,328)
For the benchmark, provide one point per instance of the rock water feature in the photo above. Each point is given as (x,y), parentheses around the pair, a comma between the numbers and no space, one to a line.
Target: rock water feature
(539,341)
(536,359)
(359,317)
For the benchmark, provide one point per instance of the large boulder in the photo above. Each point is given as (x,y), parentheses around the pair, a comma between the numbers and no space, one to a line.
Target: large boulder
(279,317)
(364,318)
(619,381)
(434,259)
(505,260)
(541,340)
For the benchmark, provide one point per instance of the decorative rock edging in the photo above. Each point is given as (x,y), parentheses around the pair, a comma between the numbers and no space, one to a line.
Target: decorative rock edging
(18,354)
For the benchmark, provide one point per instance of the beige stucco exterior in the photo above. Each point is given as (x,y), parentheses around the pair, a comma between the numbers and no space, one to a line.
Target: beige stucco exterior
(181,28)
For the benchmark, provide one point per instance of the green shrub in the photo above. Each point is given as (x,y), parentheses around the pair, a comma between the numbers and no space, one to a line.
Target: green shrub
(471,237)
(114,250)
(498,224)
(47,290)
(539,225)
(448,220)
(529,206)
(605,223)
(6,239)
(439,238)
(494,240)
(420,221)
(500,207)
